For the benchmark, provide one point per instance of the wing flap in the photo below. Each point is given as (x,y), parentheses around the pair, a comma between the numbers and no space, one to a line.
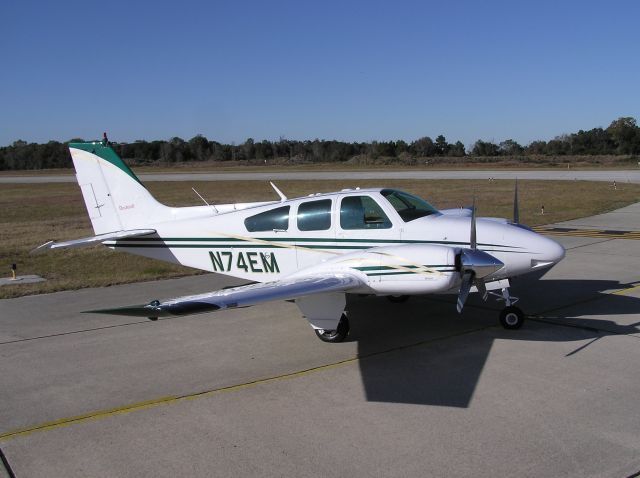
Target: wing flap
(243,296)
(89,241)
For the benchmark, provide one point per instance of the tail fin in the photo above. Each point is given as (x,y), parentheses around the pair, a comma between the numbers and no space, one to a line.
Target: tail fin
(115,198)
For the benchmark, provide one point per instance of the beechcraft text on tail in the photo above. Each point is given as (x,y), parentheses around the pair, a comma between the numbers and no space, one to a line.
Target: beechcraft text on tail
(313,250)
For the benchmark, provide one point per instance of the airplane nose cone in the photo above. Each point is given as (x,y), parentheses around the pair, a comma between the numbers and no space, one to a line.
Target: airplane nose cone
(555,251)
(549,253)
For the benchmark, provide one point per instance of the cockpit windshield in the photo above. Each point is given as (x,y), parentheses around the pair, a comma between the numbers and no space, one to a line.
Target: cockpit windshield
(409,207)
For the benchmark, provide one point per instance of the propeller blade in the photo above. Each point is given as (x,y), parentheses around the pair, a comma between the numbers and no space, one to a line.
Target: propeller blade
(472,240)
(516,211)
(465,287)
(482,289)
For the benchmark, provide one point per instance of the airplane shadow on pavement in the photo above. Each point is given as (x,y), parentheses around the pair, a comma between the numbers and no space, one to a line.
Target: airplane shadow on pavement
(423,352)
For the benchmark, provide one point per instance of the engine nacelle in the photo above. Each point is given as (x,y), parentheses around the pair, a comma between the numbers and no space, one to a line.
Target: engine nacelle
(412,269)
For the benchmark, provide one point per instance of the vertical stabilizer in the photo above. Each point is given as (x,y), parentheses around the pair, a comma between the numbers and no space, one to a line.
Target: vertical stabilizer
(115,198)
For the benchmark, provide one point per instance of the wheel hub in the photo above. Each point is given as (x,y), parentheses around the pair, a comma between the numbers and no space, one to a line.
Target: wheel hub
(511,318)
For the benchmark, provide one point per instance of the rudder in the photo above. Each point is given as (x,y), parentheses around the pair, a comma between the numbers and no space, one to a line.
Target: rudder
(115,198)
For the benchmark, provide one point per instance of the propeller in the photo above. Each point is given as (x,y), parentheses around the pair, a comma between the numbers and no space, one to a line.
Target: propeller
(474,265)
(465,287)
(473,245)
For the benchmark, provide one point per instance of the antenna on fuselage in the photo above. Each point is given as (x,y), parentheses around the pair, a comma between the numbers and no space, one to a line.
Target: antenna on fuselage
(516,212)
(278,192)
(472,239)
(204,200)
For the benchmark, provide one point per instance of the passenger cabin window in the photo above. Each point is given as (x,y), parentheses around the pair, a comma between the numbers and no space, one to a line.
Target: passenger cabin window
(314,215)
(273,220)
(408,206)
(362,212)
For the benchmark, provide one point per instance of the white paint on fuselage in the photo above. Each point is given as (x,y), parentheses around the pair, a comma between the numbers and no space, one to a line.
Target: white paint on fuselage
(199,237)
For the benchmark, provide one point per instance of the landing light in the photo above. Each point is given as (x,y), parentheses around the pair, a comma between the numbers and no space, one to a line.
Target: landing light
(536,264)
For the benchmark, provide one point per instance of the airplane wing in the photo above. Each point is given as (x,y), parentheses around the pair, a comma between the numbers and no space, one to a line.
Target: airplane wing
(242,296)
(89,241)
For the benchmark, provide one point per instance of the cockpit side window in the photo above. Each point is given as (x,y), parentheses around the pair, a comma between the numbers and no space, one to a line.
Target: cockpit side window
(362,212)
(314,215)
(273,220)
(408,206)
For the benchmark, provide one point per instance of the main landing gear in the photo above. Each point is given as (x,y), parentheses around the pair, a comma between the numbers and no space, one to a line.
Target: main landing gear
(511,317)
(337,335)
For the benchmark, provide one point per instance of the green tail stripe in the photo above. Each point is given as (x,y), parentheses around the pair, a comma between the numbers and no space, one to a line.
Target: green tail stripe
(108,154)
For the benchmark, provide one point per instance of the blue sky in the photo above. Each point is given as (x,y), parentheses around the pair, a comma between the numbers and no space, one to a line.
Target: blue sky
(347,70)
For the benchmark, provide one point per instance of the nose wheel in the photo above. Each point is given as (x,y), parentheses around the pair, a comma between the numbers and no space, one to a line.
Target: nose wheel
(511,317)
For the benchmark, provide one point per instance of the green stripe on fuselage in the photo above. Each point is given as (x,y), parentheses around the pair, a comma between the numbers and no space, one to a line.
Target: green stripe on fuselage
(366,243)
(398,273)
(410,266)
(195,246)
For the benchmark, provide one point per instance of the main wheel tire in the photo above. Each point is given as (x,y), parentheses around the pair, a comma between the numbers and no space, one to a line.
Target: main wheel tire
(154,303)
(397,299)
(511,318)
(335,336)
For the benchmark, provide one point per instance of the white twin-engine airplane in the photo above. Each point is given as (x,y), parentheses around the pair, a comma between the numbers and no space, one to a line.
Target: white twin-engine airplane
(313,250)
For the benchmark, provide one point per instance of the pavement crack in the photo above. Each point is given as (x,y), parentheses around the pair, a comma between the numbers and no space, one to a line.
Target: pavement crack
(100,414)
(82,331)
(6,464)
(62,334)
(587,245)
(582,327)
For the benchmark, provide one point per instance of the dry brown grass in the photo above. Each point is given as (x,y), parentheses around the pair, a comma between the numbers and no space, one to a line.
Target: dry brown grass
(31,214)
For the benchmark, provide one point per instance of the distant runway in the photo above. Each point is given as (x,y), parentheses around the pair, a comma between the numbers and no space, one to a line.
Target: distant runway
(620,176)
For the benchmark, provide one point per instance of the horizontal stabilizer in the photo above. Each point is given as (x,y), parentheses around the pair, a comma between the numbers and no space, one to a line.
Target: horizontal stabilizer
(243,296)
(89,241)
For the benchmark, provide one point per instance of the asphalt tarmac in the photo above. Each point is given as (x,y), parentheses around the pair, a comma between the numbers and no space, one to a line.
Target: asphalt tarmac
(618,175)
(416,390)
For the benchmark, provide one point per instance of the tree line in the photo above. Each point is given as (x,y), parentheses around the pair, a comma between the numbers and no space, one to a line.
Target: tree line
(621,137)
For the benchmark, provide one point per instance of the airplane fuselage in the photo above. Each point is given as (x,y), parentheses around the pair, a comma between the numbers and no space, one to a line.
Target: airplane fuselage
(274,240)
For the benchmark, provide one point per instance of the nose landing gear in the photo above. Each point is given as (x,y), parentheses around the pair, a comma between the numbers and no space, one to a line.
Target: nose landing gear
(511,317)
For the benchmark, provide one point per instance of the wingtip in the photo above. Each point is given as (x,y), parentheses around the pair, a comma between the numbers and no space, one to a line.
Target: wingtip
(153,309)
(142,310)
